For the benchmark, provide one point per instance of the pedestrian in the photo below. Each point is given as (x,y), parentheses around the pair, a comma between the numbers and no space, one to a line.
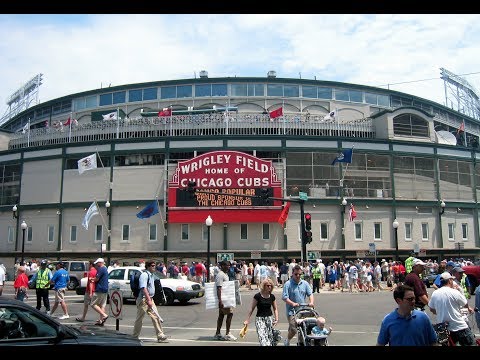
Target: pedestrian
(406,326)
(264,301)
(294,293)
(99,300)
(145,303)
(413,280)
(317,277)
(446,303)
(222,310)
(89,290)
(3,278)
(21,284)
(41,280)
(462,281)
(59,281)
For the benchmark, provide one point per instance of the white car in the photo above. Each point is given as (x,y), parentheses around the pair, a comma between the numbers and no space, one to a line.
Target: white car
(174,289)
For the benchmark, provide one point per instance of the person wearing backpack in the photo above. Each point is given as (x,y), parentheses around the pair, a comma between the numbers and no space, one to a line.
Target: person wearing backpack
(145,303)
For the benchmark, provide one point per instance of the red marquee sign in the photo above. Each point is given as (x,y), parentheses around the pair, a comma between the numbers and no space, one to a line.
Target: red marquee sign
(226,176)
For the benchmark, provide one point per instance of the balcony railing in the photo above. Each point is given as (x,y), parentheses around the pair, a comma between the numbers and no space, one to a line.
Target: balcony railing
(234,124)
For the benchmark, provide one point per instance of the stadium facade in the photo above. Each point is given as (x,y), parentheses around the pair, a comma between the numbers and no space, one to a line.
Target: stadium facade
(406,171)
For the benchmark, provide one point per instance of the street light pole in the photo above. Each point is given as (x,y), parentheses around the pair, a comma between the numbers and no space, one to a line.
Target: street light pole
(395,227)
(24,227)
(208,222)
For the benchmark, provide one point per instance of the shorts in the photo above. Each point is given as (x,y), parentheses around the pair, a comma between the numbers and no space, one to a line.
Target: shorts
(292,325)
(87,298)
(60,295)
(99,299)
(225,311)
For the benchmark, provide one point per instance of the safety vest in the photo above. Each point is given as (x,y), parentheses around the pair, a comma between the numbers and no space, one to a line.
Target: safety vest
(317,273)
(464,286)
(42,279)
(409,264)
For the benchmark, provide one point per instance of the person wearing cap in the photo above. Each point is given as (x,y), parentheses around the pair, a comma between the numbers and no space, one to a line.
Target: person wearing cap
(41,279)
(406,326)
(462,281)
(59,281)
(413,280)
(222,310)
(99,300)
(449,265)
(446,303)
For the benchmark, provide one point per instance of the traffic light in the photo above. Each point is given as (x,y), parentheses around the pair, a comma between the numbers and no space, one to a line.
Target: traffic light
(308,222)
(308,237)
(265,195)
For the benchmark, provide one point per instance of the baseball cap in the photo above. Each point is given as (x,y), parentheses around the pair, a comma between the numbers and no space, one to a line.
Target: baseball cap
(457,269)
(99,260)
(418,262)
(451,263)
(446,275)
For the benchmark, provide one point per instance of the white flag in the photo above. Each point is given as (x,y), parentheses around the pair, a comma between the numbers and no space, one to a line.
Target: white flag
(330,116)
(111,116)
(26,128)
(91,212)
(87,163)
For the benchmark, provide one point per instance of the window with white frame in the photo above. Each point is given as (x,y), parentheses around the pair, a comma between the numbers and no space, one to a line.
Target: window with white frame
(377,231)
(323,231)
(152,236)
(98,233)
(451,231)
(125,232)
(185,232)
(73,233)
(243,232)
(51,233)
(408,231)
(424,231)
(358,231)
(265,231)
(464,231)
(11,235)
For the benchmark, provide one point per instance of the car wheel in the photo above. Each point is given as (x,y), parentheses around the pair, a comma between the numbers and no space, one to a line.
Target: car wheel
(72,284)
(169,296)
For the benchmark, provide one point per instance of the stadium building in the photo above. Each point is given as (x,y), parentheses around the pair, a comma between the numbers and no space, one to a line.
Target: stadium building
(413,179)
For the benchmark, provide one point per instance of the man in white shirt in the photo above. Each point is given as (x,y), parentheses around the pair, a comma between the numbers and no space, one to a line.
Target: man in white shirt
(3,277)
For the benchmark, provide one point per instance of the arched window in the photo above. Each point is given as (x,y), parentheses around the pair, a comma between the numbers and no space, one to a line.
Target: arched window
(410,125)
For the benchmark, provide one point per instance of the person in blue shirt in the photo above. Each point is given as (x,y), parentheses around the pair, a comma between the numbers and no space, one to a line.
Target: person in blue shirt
(294,293)
(60,280)
(437,284)
(99,300)
(406,326)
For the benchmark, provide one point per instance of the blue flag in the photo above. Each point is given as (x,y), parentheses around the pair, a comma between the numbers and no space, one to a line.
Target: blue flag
(149,210)
(345,156)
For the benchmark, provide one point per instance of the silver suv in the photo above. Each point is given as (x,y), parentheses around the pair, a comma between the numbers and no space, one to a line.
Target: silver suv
(76,269)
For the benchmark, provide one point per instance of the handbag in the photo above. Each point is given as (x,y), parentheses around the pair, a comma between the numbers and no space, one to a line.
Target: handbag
(243,331)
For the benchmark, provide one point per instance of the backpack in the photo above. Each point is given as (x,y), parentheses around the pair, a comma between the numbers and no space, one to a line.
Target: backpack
(135,282)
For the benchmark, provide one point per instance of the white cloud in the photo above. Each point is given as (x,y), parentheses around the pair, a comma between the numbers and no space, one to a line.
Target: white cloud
(83,52)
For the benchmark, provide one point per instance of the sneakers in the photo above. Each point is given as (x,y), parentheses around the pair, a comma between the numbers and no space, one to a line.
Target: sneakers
(230,337)
(63,317)
(162,338)
(218,337)
(286,342)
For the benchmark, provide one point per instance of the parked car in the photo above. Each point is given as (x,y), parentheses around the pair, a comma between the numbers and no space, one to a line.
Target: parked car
(22,324)
(76,270)
(174,289)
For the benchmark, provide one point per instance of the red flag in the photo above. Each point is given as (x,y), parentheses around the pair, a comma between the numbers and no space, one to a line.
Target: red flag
(276,113)
(284,215)
(352,214)
(66,123)
(165,112)
(461,128)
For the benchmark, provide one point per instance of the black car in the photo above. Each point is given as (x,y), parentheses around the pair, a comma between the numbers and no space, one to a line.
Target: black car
(21,324)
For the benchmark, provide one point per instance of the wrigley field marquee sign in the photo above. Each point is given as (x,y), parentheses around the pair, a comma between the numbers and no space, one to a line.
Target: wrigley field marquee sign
(221,178)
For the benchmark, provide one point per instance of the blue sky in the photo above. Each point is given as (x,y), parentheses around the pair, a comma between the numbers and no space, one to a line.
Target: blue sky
(83,52)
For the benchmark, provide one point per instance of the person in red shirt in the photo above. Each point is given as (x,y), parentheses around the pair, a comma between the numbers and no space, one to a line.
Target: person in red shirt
(185,270)
(199,271)
(92,273)
(21,284)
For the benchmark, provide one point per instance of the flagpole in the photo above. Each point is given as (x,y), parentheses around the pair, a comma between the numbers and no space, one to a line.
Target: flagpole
(118,122)
(28,135)
(283,118)
(70,128)
(346,167)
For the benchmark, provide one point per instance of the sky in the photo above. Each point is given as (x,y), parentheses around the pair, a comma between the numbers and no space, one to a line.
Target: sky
(83,52)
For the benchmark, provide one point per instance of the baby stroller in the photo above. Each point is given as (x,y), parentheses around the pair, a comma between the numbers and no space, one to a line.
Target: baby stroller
(306,319)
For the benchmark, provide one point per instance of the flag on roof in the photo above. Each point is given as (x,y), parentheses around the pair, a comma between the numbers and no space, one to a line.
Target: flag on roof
(26,127)
(110,116)
(66,123)
(91,212)
(165,112)
(149,210)
(276,113)
(284,215)
(330,116)
(87,163)
(352,214)
(345,156)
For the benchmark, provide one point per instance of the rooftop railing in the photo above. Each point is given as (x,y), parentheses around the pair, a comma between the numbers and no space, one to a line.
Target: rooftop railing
(215,124)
